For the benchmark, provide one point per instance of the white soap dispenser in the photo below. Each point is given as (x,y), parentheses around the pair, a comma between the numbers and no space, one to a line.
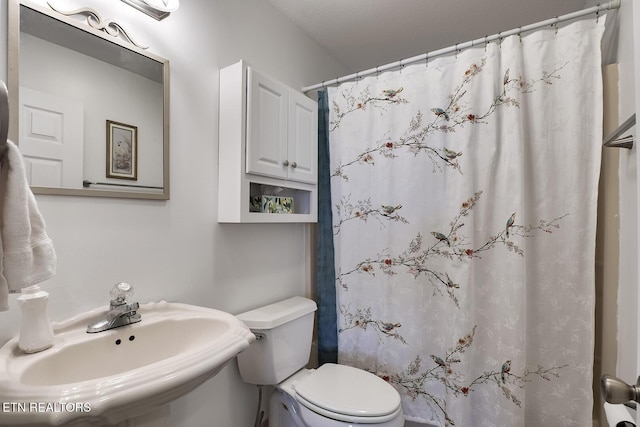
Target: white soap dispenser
(36,332)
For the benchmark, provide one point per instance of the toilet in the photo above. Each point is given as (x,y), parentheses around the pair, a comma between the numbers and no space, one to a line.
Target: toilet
(329,396)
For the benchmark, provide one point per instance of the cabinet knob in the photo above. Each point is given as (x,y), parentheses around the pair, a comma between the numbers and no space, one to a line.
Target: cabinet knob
(286,163)
(294,165)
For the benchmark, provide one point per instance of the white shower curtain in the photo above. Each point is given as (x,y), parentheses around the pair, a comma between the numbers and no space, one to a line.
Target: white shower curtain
(464,192)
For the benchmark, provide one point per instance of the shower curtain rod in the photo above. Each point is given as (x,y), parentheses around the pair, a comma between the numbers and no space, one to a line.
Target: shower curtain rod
(612,4)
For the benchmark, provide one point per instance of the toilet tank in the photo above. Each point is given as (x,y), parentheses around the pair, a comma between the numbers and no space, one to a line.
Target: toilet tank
(284,331)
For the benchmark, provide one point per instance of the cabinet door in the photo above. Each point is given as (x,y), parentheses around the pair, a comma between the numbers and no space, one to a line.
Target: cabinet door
(303,138)
(267,102)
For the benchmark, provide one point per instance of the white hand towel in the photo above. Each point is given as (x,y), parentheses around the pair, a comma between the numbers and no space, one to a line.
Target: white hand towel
(27,256)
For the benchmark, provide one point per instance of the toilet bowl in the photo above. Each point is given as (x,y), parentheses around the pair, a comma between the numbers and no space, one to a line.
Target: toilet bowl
(335,396)
(329,396)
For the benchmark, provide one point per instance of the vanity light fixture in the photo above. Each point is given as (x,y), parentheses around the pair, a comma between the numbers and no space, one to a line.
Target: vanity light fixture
(158,9)
(94,20)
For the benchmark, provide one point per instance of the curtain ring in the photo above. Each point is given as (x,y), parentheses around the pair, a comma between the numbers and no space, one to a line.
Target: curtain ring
(426,60)
(456,56)
(486,43)
(555,24)
(520,34)
(598,13)
(377,72)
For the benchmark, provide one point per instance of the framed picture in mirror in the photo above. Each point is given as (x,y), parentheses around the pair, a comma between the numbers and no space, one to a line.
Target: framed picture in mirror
(122,151)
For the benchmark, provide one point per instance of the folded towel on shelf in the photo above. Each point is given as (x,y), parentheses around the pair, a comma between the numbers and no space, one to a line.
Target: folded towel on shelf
(27,256)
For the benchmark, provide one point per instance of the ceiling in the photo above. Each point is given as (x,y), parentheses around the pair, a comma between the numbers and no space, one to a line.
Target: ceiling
(362,34)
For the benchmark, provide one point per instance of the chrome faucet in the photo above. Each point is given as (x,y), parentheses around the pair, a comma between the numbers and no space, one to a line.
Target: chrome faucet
(120,312)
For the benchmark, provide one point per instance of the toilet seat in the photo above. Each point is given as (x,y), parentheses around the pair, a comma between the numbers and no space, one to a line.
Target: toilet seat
(348,394)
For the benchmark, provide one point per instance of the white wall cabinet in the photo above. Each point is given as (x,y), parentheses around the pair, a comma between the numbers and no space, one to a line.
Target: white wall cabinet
(282,129)
(268,145)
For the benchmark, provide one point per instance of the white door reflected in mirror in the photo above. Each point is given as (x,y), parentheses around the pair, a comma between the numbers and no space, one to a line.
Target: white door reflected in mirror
(51,139)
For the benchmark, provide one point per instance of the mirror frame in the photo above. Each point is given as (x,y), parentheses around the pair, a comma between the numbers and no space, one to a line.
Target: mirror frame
(13,65)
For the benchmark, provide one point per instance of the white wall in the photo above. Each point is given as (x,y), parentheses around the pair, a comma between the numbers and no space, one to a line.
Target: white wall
(176,250)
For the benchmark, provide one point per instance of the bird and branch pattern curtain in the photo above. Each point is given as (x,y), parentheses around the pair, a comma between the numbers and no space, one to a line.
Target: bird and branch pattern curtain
(464,197)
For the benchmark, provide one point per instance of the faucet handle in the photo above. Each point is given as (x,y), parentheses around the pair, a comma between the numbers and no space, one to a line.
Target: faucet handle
(120,293)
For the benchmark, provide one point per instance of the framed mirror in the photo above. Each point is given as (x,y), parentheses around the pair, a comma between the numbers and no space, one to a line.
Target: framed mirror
(89,110)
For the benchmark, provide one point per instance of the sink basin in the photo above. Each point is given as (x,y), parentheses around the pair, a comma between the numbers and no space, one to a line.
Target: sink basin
(121,373)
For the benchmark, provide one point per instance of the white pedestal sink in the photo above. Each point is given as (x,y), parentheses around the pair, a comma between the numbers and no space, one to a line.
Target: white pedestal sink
(118,374)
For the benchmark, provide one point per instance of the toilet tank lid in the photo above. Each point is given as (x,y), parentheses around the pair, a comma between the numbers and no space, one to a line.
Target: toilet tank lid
(276,314)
